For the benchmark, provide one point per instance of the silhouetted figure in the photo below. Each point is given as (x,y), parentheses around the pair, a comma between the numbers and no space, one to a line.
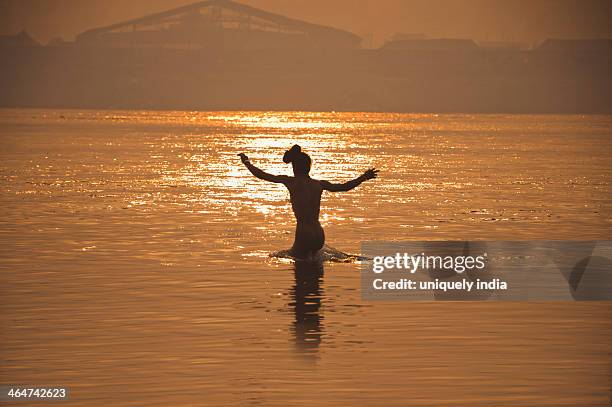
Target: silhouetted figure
(305,195)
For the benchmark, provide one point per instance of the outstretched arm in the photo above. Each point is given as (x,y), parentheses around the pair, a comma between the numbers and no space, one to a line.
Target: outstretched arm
(347,186)
(260,173)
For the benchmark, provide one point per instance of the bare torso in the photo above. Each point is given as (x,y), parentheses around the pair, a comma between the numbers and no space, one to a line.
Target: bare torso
(305,194)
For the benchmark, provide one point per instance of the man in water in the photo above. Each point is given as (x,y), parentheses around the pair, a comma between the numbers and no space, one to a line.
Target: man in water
(305,193)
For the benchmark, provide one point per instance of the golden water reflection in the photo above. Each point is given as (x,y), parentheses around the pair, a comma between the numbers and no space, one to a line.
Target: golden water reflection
(135,251)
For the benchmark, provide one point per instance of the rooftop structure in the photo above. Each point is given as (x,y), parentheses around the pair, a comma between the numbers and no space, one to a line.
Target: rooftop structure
(217,23)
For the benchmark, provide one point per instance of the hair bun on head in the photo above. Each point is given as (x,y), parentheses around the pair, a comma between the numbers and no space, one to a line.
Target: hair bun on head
(291,153)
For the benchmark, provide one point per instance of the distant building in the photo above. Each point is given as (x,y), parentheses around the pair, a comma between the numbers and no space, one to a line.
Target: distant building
(407,36)
(432,45)
(504,45)
(59,42)
(217,24)
(598,46)
(21,39)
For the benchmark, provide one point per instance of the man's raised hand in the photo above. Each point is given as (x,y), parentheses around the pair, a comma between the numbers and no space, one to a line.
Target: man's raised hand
(243,158)
(370,174)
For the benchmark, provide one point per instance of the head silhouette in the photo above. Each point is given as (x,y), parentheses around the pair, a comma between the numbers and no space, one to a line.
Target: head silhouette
(299,160)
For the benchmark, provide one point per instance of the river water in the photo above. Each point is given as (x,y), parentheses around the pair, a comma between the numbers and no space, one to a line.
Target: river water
(135,270)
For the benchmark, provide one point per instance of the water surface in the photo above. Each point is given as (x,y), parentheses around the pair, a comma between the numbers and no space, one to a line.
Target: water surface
(135,268)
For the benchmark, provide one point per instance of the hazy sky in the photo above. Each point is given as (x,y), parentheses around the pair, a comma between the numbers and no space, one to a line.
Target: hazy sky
(508,20)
